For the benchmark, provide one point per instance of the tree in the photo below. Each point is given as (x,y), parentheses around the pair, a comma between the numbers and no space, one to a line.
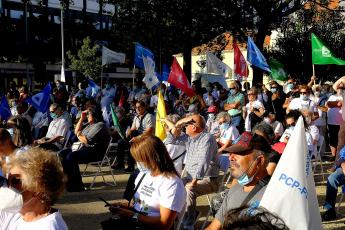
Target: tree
(86,62)
(293,47)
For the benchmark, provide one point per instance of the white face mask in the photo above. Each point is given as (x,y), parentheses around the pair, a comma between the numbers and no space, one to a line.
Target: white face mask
(11,200)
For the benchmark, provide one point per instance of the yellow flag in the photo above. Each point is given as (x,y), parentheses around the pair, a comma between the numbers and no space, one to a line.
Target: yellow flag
(161,113)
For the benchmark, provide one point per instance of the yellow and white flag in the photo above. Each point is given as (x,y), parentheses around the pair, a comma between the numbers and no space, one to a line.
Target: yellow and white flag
(161,113)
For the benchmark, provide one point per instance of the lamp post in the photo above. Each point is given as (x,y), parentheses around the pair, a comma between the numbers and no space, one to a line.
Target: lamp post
(27,43)
(62,45)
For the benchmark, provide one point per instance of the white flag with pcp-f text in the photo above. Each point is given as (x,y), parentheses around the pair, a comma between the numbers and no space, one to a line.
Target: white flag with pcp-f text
(216,66)
(291,192)
(109,56)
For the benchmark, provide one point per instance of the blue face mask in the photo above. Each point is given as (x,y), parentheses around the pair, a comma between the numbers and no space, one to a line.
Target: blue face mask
(232,91)
(53,115)
(303,97)
(224,126)
(273,90)
(142,168)
(244,179)
(290,86)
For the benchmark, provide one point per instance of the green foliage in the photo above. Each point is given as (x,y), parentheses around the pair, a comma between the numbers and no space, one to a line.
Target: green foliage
(294,45)
(86,62)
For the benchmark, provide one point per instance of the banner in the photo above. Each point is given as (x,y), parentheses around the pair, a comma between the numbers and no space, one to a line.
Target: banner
(109,56)
(291,193)
(255,57)
(321,55)
(216,66)
(161,113)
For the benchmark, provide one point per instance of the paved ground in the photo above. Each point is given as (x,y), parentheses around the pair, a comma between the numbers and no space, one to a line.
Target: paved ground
(85,211)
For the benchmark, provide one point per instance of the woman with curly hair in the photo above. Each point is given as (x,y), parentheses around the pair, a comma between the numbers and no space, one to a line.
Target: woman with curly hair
(35,181)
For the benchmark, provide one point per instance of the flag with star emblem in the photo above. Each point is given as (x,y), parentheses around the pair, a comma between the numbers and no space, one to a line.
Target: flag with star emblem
(178,79)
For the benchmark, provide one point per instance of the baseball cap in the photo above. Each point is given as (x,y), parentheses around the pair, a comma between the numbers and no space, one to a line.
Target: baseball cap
(247,141)
(212,109)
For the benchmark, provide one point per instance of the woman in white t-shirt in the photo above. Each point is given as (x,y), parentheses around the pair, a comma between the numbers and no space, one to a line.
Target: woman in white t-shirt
(35,182)
(160,195)
(254,110)
(334,119)
(227,132)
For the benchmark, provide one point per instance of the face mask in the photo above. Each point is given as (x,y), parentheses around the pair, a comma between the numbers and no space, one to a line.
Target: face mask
(232,91)
(11,200)
(11,131)
(317,94)
(244,179)
(53,115)
(303,97)
(273,90)
(142,168)
(290,86)
(224,126)
(211,116)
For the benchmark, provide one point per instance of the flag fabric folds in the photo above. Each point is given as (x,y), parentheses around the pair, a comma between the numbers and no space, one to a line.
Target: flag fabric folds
(278,72)
(321,55)
(150,78)
(216,66)
(178,79)
(109,56)
(161,113)
(240,64)
(255,57)
(62,75)
(116,123)
(291,193)
(94,88)
(5,111)
(140,52)
(165,73)
(41,100)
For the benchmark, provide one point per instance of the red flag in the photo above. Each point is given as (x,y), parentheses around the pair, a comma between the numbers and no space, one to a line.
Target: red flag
(122,99)
(240,64)
(178,79)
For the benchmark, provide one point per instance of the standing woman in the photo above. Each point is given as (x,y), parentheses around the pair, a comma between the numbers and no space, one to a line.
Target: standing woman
(254,110)
(160,195)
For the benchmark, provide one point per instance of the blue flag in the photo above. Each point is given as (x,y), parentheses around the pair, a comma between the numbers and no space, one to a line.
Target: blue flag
(255,57)
(165,72)
(41,100)
(94,87)
(140,52)
(5,111)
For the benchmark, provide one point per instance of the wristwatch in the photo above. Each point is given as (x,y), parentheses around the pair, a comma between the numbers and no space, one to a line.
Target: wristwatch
(135,217)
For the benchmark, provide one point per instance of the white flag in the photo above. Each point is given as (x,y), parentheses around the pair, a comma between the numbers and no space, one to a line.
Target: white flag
(216,66)
(109,56)
(291,191)
(62,75)
(150,78)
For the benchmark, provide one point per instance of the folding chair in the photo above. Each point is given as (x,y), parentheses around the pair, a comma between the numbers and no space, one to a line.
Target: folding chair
(320,143)
(105,162)
(224,166)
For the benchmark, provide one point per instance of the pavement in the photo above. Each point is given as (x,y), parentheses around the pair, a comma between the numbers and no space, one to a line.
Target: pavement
(84,210)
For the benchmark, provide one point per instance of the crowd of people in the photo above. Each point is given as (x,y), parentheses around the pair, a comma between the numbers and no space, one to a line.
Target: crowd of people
(244,128)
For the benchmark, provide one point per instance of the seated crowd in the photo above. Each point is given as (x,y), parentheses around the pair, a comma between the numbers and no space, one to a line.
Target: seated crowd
(206,134)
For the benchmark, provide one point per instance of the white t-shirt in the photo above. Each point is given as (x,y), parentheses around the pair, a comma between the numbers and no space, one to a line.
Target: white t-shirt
(231,133)
(157,191)
(175,151)
(59,126)
(334,115)
(256,105)
(14,221)
(298,103)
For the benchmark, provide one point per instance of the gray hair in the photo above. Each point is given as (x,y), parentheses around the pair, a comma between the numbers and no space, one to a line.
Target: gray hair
(266,130)
(224,115)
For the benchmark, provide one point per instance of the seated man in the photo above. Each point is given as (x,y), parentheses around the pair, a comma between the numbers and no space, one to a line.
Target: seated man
(57,129)
(249,157)
(335,180)
(202,166)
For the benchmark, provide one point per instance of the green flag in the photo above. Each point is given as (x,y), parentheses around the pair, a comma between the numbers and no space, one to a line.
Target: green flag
(277,68)
(321,55)
(116,122)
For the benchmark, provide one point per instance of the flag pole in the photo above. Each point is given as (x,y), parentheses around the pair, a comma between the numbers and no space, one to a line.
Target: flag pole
(102,77)
(314,72)
(133,76)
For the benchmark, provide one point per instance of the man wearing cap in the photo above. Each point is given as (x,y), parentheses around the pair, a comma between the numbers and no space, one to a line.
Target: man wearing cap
(248,161)
(202,169)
